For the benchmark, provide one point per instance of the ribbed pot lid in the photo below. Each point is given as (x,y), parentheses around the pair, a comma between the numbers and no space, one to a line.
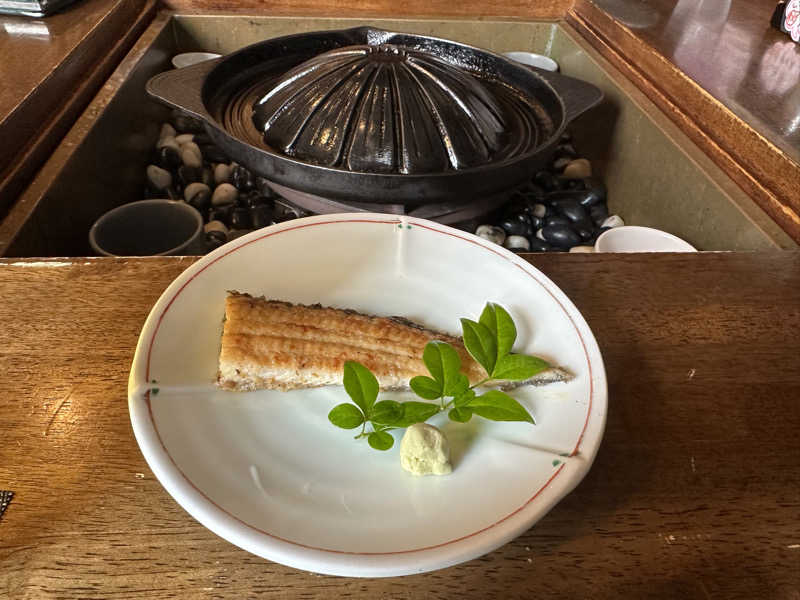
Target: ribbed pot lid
(374,116)
(385,109)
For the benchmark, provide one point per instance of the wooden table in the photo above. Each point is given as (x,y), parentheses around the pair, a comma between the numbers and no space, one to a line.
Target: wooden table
(695,491)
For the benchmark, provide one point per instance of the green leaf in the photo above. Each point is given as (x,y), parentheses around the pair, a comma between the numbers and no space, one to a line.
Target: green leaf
(464,398)
(495,318)
(518,367)
(380,440)
(360,384)
(459,385)
(460,414)
(425,387)
(480,343)
(444,364)
(498,406)
(416,412)
(346,416)
(386,412)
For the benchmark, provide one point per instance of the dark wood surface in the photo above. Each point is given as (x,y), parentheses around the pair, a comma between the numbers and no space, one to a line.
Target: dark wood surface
(695,492)
(528,9)
(50,69)
(730,49)
(722,75)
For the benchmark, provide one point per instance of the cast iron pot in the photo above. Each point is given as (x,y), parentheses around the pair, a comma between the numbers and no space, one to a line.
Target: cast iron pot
(373,116)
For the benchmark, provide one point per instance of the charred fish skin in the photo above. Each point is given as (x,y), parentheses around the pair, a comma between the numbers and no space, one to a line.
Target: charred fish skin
(273,344)
(546,377)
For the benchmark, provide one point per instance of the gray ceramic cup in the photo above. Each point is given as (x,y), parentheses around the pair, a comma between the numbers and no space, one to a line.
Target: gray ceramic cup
(148,228)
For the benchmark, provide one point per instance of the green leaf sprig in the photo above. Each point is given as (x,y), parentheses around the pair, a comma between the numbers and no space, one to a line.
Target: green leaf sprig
(488,340)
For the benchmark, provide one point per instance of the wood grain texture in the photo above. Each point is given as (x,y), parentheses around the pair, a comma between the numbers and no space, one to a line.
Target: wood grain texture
(24,231)
(528,9)
(55,76)
(749,154)
(694,493)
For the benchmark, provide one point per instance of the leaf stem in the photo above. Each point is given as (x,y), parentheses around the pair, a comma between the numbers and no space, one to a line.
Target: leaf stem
(481,382)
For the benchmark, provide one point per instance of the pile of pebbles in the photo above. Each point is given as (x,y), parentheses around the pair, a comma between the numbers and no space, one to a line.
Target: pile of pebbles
(560,209)
(188,166)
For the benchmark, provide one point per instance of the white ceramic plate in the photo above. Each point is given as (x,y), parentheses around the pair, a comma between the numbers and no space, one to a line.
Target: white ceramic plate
(267,472)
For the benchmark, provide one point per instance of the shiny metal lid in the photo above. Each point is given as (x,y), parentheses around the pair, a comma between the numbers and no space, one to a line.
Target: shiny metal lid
(372,116)
(390,109)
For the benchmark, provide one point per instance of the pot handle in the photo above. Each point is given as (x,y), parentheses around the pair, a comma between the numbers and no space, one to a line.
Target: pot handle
(183,88)
(578,96)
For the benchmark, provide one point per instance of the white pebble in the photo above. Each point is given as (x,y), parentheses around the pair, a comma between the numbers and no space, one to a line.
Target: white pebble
(578,249)
(167,130)
(539,235)
(491,233)
(578,168)
(191,155)
(215,226)
(224,194)
(193,189)
(539,210)
(184,138)
(516,242)
(222,173)
(613,221)
(159,178)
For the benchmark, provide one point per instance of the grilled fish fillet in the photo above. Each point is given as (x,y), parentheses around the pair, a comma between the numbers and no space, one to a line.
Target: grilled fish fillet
(270,344)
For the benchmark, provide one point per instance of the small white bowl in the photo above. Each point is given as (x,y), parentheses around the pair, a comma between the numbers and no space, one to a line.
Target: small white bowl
(191,58)
(534,60)
(631,238)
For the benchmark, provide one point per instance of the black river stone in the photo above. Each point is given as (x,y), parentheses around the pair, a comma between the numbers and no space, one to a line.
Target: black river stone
(598,213)
(517,204)
(240,218)
(556,220)
(242,179)
(518,224)
(215,239)
(570,209)
(187,175)
(168,157)
(595,192)
(221,213)
(561,236)
(538,245)
(584,228)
